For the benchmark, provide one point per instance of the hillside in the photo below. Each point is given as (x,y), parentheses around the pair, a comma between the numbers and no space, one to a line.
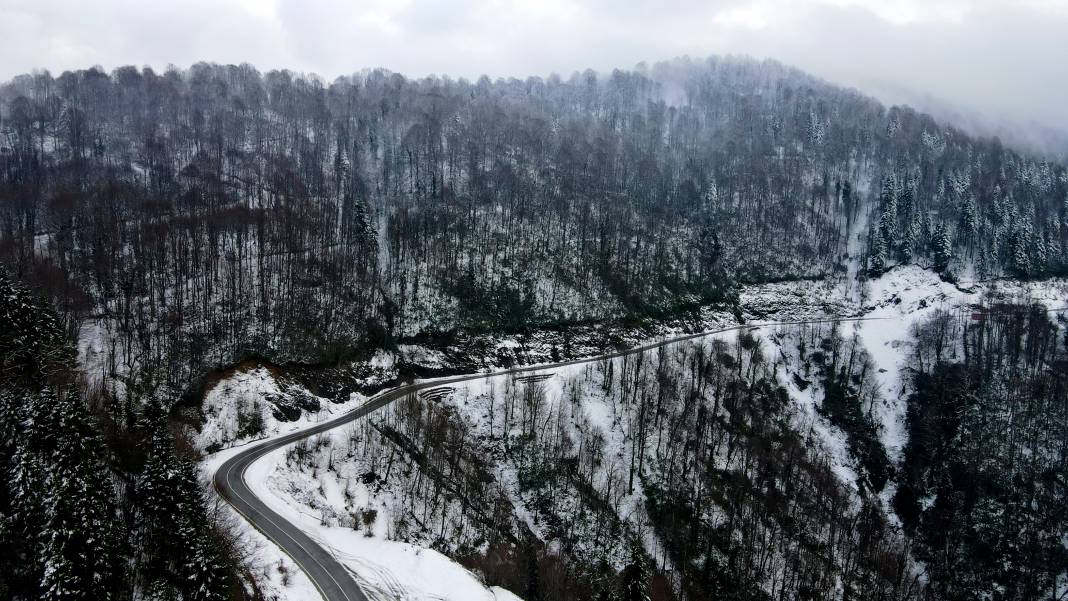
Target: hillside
(194,259)
(201,217)
(751,464)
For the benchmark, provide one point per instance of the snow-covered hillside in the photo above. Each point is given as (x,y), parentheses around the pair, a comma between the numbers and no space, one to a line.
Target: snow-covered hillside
(359,499)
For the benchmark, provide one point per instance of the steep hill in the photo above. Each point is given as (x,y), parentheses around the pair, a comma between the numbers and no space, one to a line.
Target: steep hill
(205,216)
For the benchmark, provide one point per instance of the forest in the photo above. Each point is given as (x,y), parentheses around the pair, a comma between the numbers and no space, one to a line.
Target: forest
(87,513)
(694,470)
(199,217)
(983,487)
(689,465)
(187,220)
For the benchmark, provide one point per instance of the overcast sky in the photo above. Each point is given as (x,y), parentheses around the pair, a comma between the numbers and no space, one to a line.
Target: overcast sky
(1007,59)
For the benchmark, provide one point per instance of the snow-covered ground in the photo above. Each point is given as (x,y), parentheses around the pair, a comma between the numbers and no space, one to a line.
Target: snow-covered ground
(909,295)
(243,395)
(386,569)
(277,576)
(338,510)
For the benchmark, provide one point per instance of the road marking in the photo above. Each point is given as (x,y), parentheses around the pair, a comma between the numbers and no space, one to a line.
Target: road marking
(247,465)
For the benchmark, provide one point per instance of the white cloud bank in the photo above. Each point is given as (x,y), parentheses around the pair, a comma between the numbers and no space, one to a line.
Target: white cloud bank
(1006,60)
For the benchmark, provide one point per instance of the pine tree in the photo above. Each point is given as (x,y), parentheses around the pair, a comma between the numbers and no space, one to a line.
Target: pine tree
(982,264)
(1021,260)
(1053,255)
(888,196)
(943,248)
(1064,211)
(1038,260)
(24,520)
(877,258)
(79,547)
(908,242)
(32,340)
(202,572)
(177,545)
(969,221)
(634,584)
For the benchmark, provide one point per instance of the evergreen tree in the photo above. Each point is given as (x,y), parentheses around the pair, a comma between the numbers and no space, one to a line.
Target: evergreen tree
(1064,212)
(943,248)
(1021,260)
(906,203)
(202,570)
(982,264)
(908,242)
(1038,259)
(969,221)
(888,196)
(32,340)
(79,547)
(634,585)
(24,519)
(177,543)
(877,259)
(1054,261)
(887,231)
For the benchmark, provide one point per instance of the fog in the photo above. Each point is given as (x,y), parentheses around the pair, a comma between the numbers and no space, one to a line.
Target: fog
(992,66)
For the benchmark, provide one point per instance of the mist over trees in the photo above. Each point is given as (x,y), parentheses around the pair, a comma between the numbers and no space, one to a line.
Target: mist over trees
(206,215)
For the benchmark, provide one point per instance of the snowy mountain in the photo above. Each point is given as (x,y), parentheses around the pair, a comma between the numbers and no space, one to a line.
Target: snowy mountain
(197,262)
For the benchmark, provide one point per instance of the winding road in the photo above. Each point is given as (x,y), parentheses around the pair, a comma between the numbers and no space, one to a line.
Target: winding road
(329,576)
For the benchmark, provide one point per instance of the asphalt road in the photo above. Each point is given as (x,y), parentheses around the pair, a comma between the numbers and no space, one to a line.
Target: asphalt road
(333,580)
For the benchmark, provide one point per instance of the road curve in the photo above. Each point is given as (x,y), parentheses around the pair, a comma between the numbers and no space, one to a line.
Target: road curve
(329,576)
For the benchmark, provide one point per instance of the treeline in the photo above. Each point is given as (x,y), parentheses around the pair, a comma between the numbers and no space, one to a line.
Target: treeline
(984,489)
(91,509)
(206,215)
(968,207)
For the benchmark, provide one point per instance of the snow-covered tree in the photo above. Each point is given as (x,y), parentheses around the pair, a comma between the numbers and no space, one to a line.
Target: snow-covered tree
(906,248)
(202,571)
(878,256)
(1021,258)
(176,537)
(80,542)
(943,248)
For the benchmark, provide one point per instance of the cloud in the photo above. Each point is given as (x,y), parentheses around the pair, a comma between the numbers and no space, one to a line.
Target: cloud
(1003,59)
